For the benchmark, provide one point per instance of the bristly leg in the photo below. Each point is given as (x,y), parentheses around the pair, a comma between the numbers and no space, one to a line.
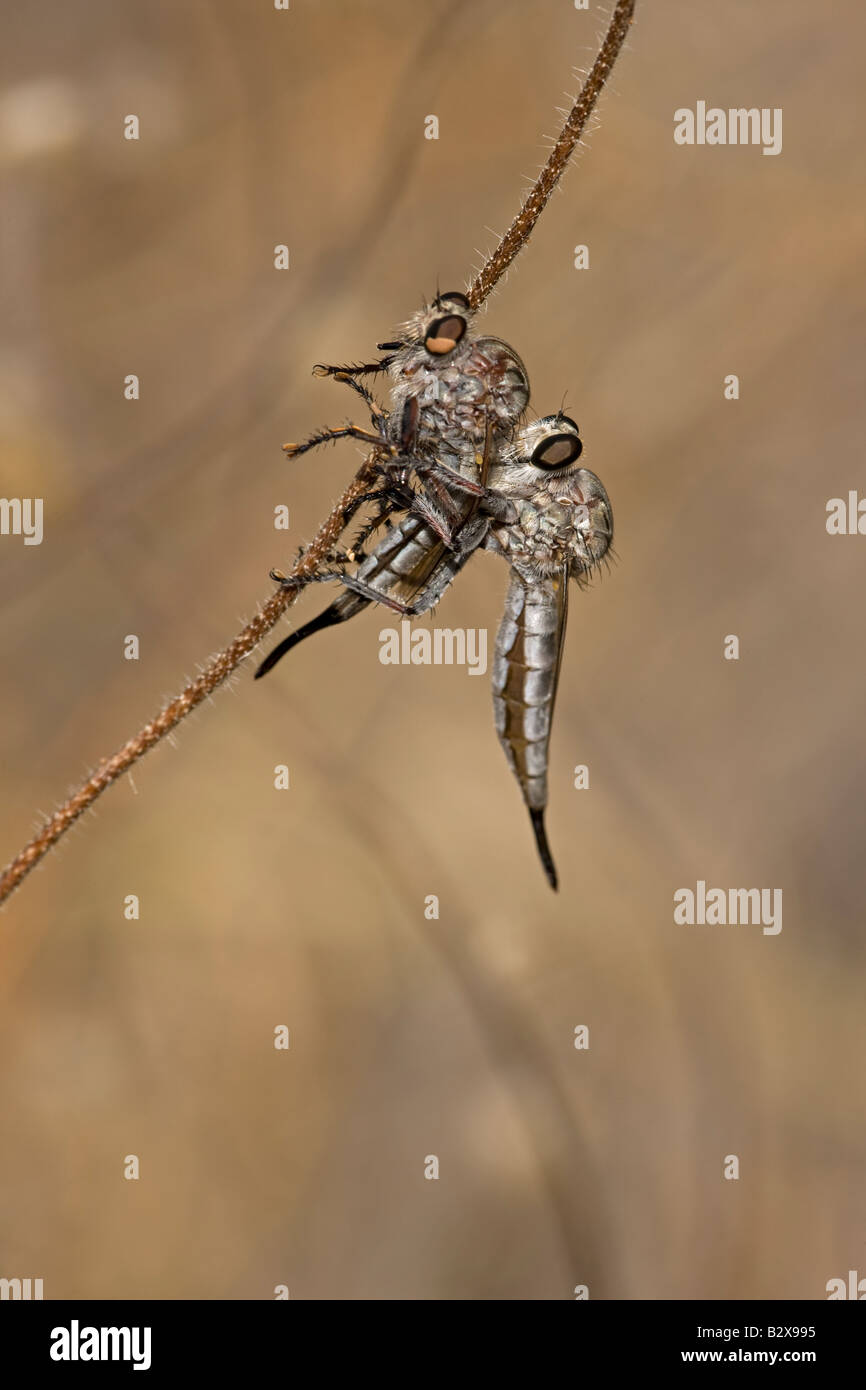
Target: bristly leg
(433,470)
(362,369)
(356,545)
(350,508)
(366,591)
(379,415)
(326,436)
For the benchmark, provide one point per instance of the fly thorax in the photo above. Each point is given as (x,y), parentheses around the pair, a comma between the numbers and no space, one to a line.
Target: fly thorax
(504,376)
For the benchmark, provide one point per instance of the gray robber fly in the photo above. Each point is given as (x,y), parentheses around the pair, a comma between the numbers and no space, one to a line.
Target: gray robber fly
(552,521)
(560,529)
(456,402)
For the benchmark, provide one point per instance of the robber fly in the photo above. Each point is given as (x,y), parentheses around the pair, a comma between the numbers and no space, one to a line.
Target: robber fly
(456,401)
(561,527)
(552,521)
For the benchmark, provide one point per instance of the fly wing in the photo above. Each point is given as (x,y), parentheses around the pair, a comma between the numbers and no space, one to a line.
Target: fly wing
(403,561)
(526,666)
(411,565)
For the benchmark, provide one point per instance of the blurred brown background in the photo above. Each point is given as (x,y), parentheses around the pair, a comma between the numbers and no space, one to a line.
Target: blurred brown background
(413,1037)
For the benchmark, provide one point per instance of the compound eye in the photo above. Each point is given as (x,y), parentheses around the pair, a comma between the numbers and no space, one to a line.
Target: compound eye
(444,334)
(567,420)
(557,451)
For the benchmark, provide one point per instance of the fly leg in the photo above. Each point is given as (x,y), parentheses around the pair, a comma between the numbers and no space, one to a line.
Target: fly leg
(461,536)
(325,436)
(434,469)
(363,369)
(367,591)
(387,508)
(378,415)
(461,529)
(441,576)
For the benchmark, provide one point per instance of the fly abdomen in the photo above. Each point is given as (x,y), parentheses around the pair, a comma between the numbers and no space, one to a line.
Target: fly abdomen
(525,674)
(345,606)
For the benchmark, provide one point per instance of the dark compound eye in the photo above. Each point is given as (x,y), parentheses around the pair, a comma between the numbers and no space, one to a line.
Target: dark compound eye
(557,451)
(567,420)
(444,334)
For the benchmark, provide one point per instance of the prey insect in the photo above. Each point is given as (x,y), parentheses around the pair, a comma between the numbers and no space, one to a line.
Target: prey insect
(552,521)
